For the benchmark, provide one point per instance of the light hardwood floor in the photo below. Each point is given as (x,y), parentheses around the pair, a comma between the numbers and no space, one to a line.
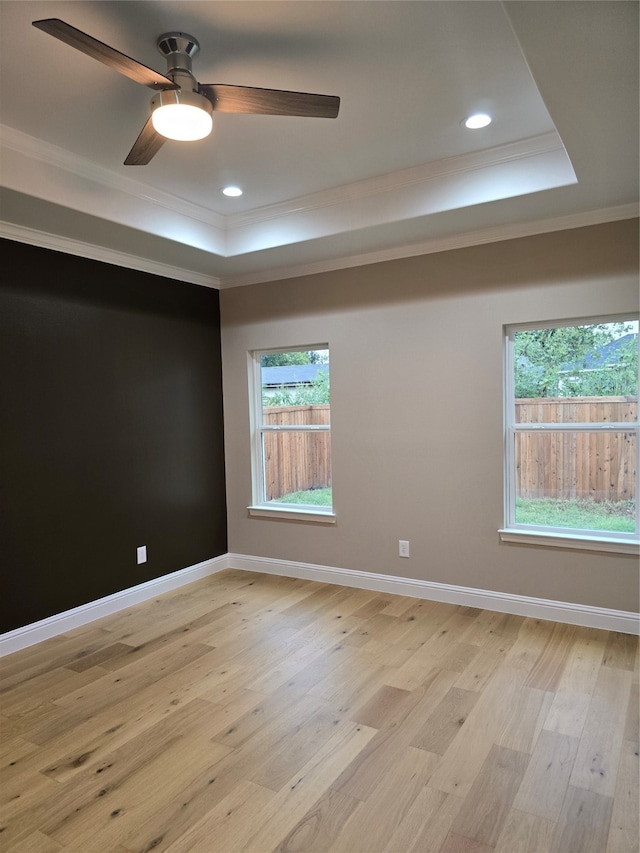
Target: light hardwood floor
(249,712)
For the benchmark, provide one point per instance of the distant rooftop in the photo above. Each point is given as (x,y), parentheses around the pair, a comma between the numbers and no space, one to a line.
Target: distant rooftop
(607,356)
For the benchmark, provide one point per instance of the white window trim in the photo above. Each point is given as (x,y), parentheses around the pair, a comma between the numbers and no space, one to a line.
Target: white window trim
(260,507)
(581,542)
(315,514)
(527,534)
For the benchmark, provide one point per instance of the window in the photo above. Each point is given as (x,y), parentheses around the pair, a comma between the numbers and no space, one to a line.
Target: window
(291,427)
(571,434)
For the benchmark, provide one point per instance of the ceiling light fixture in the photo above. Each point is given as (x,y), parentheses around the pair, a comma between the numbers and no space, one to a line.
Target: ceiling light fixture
(232,192)
(476,121)
(181,115)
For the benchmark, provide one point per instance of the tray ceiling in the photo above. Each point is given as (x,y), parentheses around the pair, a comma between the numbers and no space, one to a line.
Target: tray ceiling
(396,173)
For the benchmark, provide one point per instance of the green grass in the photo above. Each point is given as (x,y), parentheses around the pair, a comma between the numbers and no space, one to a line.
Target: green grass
(617,516)
(310,497)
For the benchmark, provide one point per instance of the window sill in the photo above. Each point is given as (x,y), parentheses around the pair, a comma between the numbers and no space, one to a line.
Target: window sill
(570,540)
(315,515)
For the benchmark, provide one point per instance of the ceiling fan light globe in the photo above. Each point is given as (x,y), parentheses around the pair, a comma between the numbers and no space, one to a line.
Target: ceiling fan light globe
(185,116)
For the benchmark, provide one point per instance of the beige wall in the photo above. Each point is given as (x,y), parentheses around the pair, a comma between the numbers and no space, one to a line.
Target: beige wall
(416,395)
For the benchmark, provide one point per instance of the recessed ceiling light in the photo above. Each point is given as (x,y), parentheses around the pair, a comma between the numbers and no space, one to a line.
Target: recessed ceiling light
(477,121)
(232,192)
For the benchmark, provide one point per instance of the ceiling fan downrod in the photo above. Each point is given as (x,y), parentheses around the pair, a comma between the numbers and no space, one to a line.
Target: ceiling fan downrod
(179,49)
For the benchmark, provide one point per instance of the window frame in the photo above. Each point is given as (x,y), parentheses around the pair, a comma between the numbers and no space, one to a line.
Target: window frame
(562,537)
(259,506)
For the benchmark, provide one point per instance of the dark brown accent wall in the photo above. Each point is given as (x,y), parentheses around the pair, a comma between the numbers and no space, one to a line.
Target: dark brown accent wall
(110,427)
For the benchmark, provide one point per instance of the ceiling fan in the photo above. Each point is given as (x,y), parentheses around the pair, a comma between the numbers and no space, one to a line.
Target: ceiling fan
(182,107)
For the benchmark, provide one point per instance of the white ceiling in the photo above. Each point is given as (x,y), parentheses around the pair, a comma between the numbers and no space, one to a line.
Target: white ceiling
(395,174)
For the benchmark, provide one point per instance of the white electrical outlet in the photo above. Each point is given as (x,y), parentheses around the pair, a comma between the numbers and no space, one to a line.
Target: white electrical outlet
(403,547)
(141,554)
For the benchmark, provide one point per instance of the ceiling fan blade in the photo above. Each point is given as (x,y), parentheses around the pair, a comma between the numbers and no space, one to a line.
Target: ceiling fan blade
(103,53)
(275,102)
(146,146)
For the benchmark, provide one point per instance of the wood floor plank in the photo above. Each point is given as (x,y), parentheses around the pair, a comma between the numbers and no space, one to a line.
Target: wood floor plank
(444,724)
(545,782)
(13,751)
(549,667)
(568,713)
(47,687)
(468,751)
(481,669)
(584,822)
(632,723)
(623,831)
(268,713)
(389,802)
(427,823)
(372,607)
(381,723)
(115,697)
(301,792)
(297,659)
(596,763)
(350,681)
(522,726)
(24,793)
(99,785)
(489,801)
(361,777)
(387,629)
(51,654)
(136,786)
(455,843)
(200,796)
(317,830)
(529,645)
(383,707)
(620,651)
(298,748)
(228,825)
(97,695)
(583,661)
(193,630)
(525,833)
(434,654)
(489,624)
(101,656)
(37,842)
(387,654)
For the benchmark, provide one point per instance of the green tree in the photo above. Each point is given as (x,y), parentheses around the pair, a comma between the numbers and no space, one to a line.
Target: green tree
(283,359)
(315,393)
(562,362)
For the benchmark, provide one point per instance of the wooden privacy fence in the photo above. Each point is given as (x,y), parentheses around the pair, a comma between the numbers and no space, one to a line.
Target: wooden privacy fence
(296,461)
(568,465)
(576,465)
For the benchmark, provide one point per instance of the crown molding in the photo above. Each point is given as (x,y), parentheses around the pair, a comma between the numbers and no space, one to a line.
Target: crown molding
(439,244)
(99,253)
(402,179)
(459,241)
(53,155)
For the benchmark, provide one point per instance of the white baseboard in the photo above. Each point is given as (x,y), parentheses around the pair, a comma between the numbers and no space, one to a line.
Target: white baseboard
(521,605)
(28,635)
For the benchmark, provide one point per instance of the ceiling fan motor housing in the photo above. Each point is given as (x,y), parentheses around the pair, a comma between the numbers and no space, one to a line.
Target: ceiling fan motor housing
(179,49)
